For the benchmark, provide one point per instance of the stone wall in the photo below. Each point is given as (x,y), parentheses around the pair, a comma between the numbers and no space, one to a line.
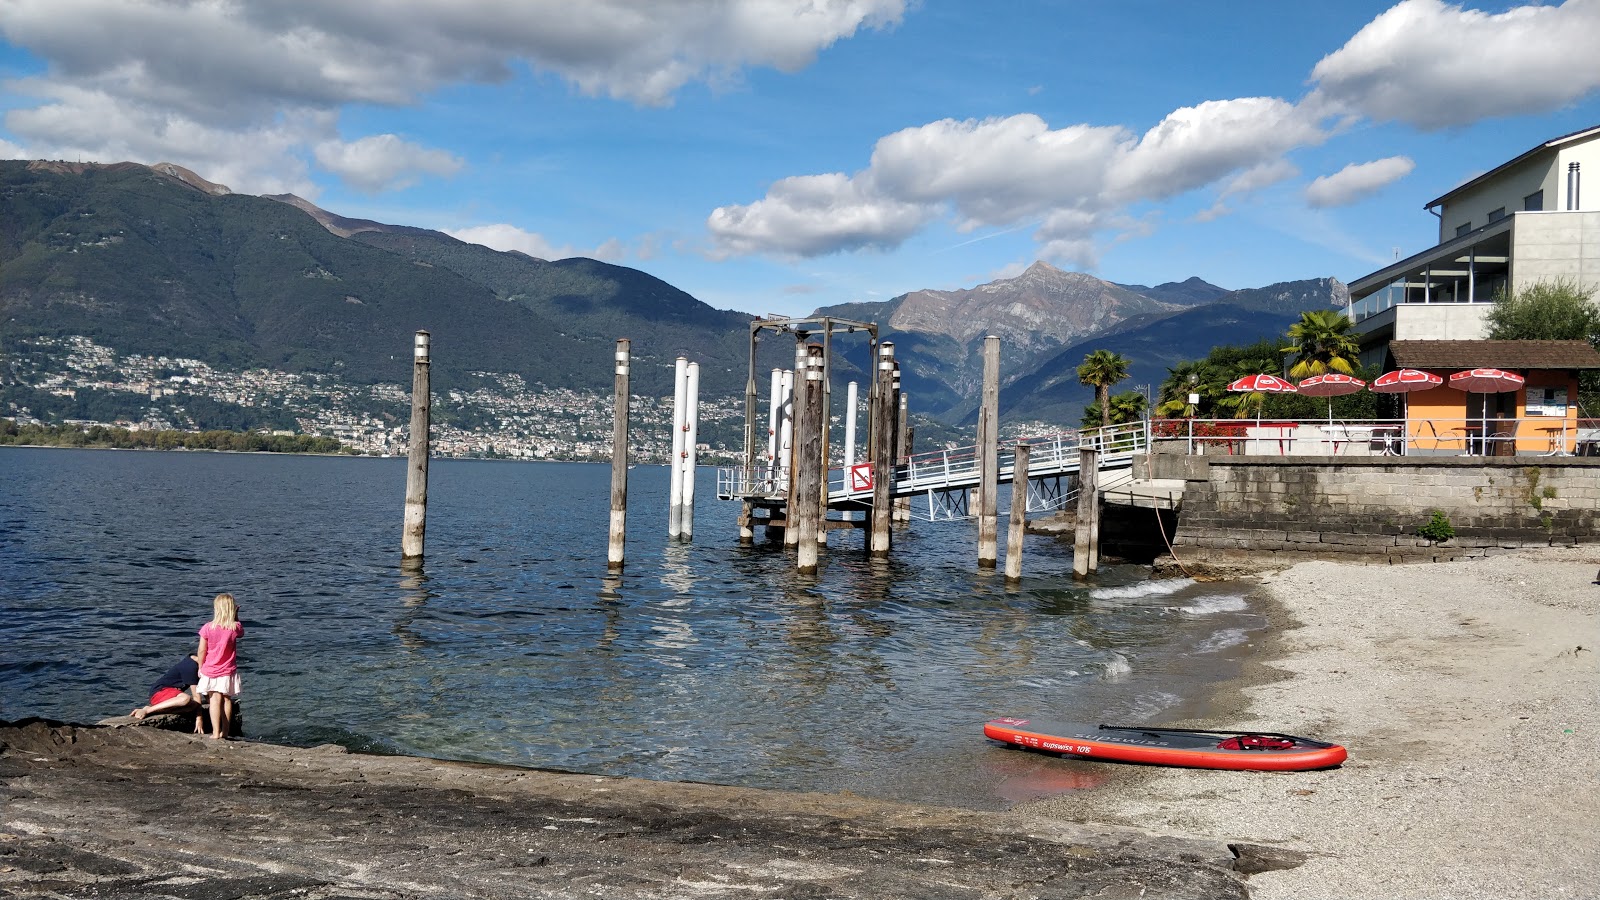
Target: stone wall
(1282,509)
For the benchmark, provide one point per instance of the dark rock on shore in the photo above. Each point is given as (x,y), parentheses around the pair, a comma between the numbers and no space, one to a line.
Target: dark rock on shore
(142,812)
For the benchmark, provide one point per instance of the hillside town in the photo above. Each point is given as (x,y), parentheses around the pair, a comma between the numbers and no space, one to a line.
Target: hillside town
(503,417)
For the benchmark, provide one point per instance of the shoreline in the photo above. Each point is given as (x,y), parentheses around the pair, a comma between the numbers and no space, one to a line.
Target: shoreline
(1466,694)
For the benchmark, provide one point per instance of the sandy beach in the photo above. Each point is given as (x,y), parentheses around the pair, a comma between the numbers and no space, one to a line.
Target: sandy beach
(1468,697)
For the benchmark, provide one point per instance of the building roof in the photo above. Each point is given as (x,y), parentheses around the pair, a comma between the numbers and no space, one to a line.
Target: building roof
(1496,354)
(1553,143)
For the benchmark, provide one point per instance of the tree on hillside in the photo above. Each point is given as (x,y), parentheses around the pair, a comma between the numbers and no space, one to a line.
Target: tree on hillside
(1100,370)
(1322,344)
(1546,311)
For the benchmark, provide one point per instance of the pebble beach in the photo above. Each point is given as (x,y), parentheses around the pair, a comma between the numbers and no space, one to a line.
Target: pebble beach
(1467,694)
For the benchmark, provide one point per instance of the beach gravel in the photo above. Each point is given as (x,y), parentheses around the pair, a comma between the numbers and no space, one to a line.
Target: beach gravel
(1467,694)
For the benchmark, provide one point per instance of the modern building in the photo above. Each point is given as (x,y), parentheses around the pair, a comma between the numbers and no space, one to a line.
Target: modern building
(1522,222)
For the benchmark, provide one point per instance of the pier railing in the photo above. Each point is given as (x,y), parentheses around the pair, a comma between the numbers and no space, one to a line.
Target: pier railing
(1527,436)
(945,477)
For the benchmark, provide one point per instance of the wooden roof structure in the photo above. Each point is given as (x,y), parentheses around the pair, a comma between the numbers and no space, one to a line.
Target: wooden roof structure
(1496,354)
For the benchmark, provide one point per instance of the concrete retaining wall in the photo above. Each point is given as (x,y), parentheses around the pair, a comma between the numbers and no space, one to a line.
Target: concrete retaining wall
(1267,509)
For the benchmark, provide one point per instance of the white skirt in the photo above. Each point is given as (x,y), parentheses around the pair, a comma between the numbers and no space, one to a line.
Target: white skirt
(225,684)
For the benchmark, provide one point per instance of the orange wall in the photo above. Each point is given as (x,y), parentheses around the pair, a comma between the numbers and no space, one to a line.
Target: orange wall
(1446,409)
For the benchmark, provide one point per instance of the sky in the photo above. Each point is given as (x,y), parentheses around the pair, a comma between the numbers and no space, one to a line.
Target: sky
(777,156)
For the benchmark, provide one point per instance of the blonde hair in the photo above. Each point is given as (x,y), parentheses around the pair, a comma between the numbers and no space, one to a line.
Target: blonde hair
(225,611)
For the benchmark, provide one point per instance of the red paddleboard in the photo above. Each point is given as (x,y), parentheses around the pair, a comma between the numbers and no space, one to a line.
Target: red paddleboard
(1250,750)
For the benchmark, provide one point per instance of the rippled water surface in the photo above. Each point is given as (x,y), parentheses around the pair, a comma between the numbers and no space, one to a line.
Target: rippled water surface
(704,661)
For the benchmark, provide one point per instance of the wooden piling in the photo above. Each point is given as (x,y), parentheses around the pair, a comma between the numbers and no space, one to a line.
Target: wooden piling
(989,457)
(1086,538)
(1019,513)
(808,461)
(797,427)
(416,516)
(883,409)
(619,460)
(902,445)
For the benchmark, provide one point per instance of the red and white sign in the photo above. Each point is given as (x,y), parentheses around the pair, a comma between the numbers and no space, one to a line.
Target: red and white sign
(861,477)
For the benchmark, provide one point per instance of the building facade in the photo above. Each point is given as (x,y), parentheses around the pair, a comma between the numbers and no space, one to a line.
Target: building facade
(1525,221)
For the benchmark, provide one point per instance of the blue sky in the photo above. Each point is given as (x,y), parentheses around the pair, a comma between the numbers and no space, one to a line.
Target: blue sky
(774,156)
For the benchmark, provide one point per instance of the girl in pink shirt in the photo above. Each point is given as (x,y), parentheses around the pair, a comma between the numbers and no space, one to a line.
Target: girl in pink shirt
(219,663)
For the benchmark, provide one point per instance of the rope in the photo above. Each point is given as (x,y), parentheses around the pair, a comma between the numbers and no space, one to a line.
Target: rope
(1163,529)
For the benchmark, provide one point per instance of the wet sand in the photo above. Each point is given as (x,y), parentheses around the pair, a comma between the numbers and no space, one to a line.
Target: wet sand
(1467,694)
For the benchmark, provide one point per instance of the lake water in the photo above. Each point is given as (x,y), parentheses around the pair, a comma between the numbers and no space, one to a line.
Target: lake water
(706,661)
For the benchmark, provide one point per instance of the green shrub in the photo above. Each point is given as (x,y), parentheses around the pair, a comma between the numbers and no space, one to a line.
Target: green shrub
(1437,528)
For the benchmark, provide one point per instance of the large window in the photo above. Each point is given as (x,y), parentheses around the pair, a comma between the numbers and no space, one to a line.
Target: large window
(1534,202)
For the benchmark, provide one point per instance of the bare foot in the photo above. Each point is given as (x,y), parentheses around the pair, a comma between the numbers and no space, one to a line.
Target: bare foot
(138,713)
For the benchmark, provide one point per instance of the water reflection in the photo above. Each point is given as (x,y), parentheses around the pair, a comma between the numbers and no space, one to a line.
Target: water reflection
(414,597)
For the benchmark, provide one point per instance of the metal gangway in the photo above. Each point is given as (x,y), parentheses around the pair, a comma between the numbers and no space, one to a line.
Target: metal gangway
(948,478)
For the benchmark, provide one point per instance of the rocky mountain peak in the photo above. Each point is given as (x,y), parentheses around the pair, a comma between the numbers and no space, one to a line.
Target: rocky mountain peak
(172,170)
(1044,306)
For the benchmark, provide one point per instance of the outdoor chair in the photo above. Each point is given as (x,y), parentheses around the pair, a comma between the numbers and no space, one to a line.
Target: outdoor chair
(1500,439)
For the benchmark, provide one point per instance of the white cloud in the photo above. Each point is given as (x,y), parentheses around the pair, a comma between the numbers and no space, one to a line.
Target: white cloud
(1433,64)
(1196,145)
(1357,181)
(509,237)
(383,162)
(813,215)
(9,150)
(1259,177)
(254,71)
(1076,182)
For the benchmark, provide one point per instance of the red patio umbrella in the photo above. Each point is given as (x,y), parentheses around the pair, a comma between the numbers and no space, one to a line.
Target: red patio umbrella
(1404,381)
(1330,385)
(1261,384)
(1486,381)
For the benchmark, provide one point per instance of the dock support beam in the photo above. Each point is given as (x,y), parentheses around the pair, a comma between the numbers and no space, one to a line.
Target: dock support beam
(1086,539)
(1019,513)
(811,396)
(902,446)
(989,457)
(416,519)
(884,408)
(619,460)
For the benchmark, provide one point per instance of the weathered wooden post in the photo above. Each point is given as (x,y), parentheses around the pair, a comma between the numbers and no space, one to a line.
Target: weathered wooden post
(902,446)
(691,453)
(675,461)
(1086,537)
(619,460)
(883,410)
(797,428)
(416,518)
(808,461)
(989,457)
(1019,512)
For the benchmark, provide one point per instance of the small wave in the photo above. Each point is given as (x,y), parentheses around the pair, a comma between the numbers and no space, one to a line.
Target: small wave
(1116,668)
(1222,640)
(1141,589)
(1146,706)
(1206,606)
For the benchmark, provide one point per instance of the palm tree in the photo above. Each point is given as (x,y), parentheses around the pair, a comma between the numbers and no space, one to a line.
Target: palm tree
(1322,344)
(1100,370)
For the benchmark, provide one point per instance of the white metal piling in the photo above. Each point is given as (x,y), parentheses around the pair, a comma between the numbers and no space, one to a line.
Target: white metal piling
(675,461)
(691,455)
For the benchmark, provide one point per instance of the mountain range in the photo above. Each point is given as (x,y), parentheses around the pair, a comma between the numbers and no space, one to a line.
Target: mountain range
(159,261)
